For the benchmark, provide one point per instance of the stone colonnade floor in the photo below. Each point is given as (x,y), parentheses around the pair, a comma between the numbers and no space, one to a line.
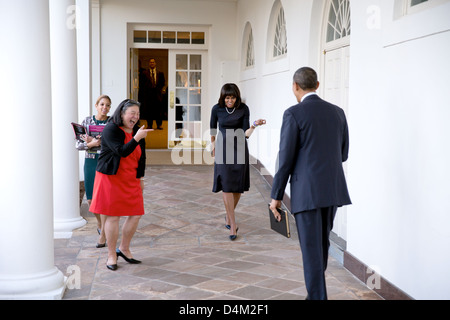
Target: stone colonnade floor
(186,253)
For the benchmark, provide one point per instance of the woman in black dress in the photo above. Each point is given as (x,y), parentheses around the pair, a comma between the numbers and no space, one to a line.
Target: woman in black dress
(229,147)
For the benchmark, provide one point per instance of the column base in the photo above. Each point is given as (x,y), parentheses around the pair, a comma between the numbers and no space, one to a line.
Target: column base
(63,228)
(49,285)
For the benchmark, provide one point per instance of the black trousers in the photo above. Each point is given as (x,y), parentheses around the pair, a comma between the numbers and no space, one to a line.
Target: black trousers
(314,228)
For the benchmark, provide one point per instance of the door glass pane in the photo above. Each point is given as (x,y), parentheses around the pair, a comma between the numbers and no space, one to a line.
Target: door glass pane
(179,128)
(183,37)
(140,36)
(169,36)
(154,37)
(198,38)
(195,79)
(195,113)
(181,96)
(195,96)
(182,61)
(196,62)
(187,117)
(185,130)
(195,129)
(181,113)
(182,79)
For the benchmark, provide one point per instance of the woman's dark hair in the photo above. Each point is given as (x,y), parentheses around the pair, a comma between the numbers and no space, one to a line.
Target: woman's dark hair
(230,89)
(123,106)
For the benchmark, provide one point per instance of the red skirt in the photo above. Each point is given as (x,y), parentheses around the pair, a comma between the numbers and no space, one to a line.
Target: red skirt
(119,194)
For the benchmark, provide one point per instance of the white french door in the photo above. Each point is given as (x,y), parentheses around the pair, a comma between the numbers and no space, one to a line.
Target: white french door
(336,71)
(134,73)
(336,88)
(187,75)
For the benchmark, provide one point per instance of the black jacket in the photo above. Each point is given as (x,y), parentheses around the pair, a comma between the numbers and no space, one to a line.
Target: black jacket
(113,148)
(313,144)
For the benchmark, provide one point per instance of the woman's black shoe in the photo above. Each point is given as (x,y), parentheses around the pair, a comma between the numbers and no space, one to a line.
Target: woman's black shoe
(112,267)
(132,261)
(100,245)
(227,225)
(233,237)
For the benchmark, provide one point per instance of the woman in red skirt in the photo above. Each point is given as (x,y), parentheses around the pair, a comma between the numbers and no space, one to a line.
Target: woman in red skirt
(118,186)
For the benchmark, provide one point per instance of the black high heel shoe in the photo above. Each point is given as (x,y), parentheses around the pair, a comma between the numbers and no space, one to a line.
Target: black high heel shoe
(234,236)
(227,225)
(132,261)
(100,245)
(112,267)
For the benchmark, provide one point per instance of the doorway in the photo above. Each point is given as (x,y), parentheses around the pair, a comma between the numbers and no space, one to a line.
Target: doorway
(181,53)
(140,61)
(336,72)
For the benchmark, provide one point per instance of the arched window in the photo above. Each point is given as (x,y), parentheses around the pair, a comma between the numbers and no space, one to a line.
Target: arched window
(338,20)
(277,36)
(248,48)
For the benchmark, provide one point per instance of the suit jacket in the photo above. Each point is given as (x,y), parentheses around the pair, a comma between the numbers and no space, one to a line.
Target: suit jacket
(148,90)
(313,144)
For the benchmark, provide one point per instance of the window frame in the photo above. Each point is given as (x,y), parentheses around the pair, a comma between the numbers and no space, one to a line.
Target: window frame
(248,47)
(277,9)
(404,7)
(328,24)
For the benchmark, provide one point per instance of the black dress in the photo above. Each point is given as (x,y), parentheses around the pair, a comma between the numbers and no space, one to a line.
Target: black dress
(231,164)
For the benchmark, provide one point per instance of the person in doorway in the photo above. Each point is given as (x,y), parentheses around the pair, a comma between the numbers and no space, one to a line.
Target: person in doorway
(229,147)
(118,185)
(152,87)
(314,142)
(91,145)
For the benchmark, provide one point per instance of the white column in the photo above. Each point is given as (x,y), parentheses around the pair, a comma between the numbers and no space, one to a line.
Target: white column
(84,68)
(64,111)
(27,269)
(96,52)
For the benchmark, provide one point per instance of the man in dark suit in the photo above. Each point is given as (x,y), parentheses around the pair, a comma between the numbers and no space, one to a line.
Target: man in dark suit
(152,84)
(313,145)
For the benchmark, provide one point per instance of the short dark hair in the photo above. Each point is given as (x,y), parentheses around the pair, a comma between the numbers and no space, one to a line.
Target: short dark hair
(123,106)
(306,78)
(230,89)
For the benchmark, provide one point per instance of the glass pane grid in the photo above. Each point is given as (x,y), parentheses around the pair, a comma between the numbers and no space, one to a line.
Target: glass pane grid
(169,37)
(339,25)
(250,61)
(183,37)
(140,36)
(280,41)
(154,37)
(188,97)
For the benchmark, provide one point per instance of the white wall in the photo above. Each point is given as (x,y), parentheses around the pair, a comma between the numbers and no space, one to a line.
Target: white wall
(268,88)
(398,169)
